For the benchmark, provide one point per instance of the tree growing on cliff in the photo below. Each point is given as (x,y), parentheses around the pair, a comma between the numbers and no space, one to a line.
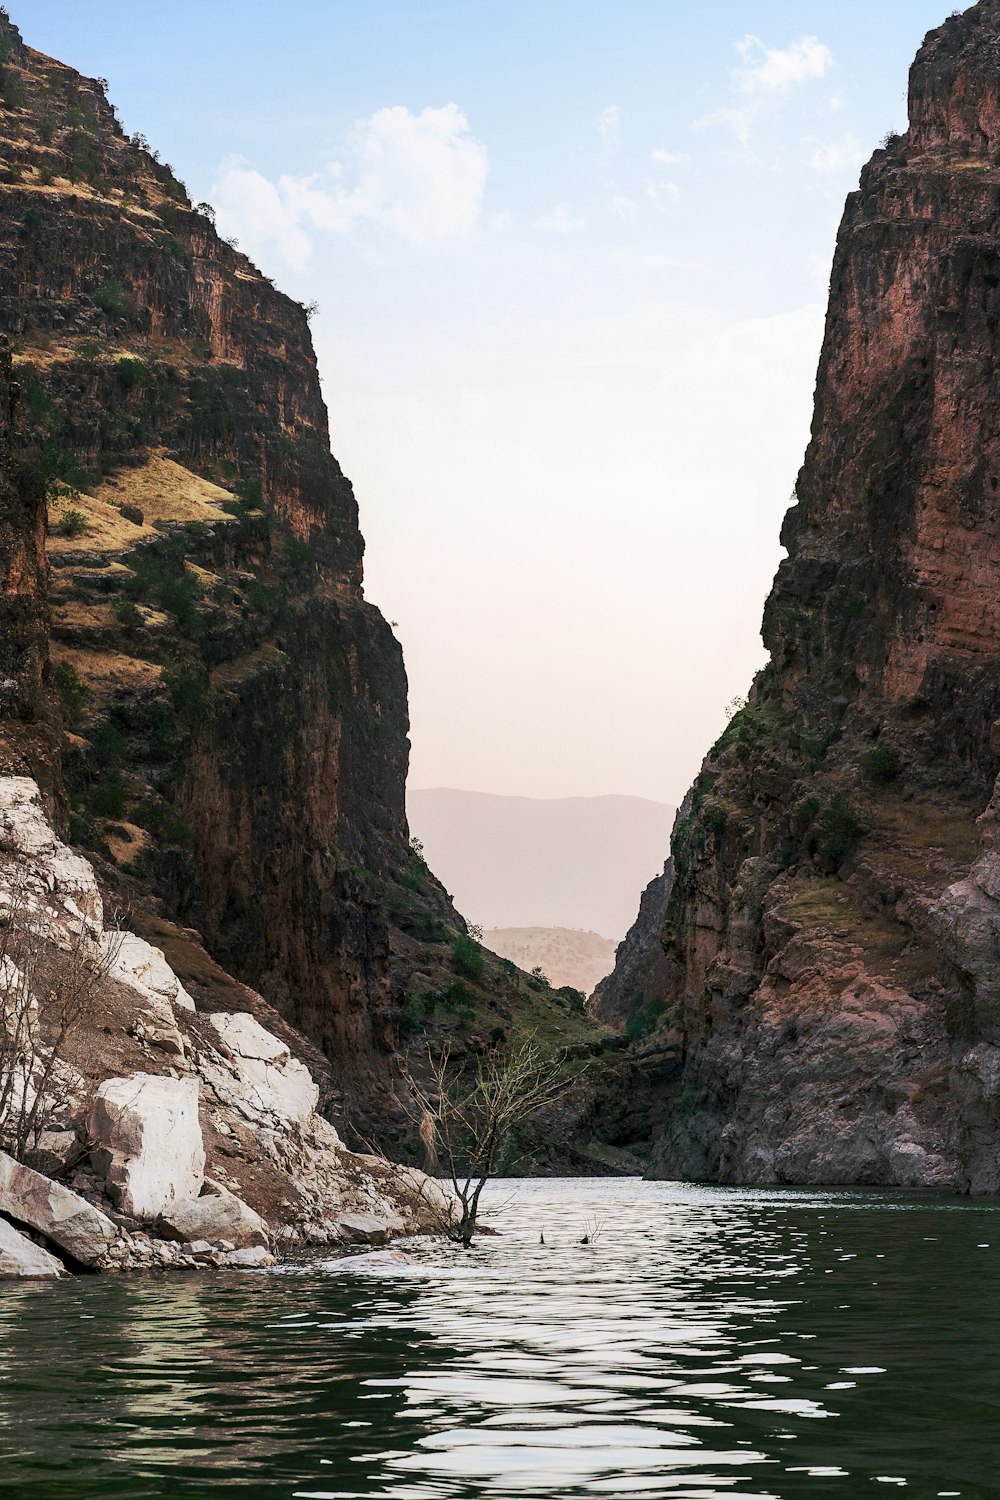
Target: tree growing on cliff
(46,988)
(467,1121)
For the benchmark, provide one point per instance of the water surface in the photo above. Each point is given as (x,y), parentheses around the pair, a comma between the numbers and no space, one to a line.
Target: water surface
(752,1345)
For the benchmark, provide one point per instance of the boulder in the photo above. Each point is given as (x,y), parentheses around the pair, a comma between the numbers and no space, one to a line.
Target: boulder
(20,1256)
(148,1139)
(270,1078)
(363,1229)
(254,1258)
(143,968)
(217,1215)
(56,1212)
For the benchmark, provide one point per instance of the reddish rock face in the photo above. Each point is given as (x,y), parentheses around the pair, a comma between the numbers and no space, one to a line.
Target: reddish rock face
(830,925)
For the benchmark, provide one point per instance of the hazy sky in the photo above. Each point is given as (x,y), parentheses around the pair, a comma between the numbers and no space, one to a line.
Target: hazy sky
(571,260)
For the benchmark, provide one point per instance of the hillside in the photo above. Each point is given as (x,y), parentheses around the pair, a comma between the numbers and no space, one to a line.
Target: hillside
(566,955)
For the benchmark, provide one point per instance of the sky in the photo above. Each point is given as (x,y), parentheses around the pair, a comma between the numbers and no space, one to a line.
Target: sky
(571,261)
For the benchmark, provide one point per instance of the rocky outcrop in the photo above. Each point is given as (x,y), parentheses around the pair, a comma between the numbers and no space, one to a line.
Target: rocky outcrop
(207,1151)
(62,1217)
(147,1138)
(829,944)
(20,1256)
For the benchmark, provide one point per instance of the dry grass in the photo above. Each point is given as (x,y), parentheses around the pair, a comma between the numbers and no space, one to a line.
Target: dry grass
(165,491)
(104,670)
(124,849)
(107,530)
(232,672)
(889,949)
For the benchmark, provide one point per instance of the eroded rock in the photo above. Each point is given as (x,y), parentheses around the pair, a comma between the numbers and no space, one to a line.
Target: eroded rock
(62,1216)
(20,1256)
(149,1144)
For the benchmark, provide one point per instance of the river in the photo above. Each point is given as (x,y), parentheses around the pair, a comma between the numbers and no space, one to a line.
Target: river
(730,1342)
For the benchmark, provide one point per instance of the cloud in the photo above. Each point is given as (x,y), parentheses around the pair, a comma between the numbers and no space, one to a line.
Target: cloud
(608,128)
(669,158)
(560,220)
(771,72)
(660,193)
(418,176)
(765,79)
(626,208)
(836,158)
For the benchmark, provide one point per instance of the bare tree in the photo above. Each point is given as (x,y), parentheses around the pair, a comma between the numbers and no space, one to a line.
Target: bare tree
(472,1116)
(47,984)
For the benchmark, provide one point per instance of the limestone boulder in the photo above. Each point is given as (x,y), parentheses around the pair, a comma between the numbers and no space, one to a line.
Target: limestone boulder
(217,1215)
(149,1145)
(143,968)
(269,1080)
(20,1256)
(363,1229)
(55,1211)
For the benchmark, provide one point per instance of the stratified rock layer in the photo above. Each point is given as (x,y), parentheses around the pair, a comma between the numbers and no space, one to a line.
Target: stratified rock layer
(829,949)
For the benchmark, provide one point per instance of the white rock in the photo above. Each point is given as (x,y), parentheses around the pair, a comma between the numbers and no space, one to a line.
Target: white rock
(251,1259)
(216,1216)
(61,1215)
(363,1229)
(148,1141)
(20,1256)
(269,1079)
(144,968)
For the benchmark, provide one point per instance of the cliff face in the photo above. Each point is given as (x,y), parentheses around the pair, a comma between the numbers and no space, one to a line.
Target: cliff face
(210,705)
(830,942)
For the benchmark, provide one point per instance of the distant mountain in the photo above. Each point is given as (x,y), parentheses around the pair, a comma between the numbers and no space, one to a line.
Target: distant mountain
(565,955)
(538,862)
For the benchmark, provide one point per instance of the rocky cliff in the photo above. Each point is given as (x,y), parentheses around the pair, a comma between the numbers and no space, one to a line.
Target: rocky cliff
(830,944)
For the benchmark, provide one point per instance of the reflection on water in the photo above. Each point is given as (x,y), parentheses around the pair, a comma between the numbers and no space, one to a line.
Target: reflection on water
(708,1342)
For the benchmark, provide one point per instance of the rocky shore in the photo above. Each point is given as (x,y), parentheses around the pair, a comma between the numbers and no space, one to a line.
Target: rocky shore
(158,1135)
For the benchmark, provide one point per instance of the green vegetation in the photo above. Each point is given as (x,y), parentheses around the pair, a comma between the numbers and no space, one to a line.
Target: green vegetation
(129,372)
(160,574)
(162,822)
(296,551)
(128,614)
(467,957)
(72,692)
(837,830)
(114,299)
(72,522)
(645,1019)
(188,689)
(107,798)
(882,763)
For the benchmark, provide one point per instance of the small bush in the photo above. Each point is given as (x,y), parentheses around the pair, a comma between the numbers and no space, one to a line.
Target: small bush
(459,998)
(882,763)
(841,826)
(162,822)
(107,797)
(114,300)
(127,614)
(107,741)
(187,688)
(129,372)
(297,552)
(72,522)
(71,690)
(467,957)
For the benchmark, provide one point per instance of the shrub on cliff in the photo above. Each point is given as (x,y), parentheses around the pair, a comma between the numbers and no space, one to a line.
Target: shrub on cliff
(72,692)
(467,957)
(882,763)
(840,826)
